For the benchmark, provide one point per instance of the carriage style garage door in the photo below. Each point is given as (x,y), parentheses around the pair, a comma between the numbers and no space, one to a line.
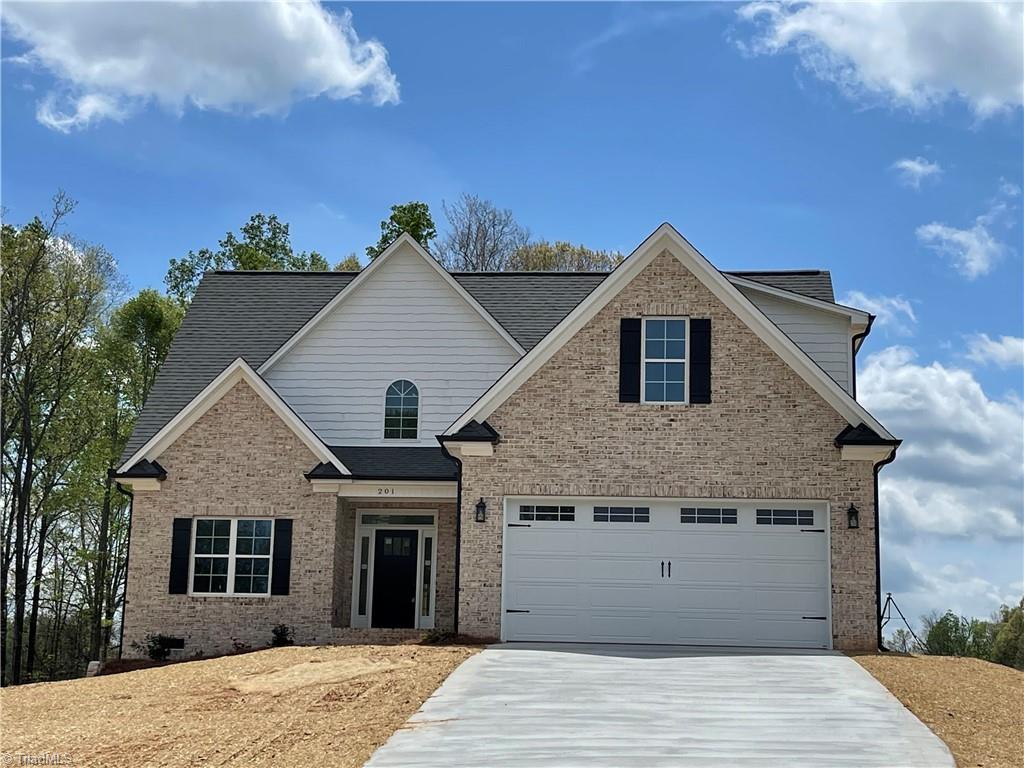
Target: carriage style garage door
(651,571)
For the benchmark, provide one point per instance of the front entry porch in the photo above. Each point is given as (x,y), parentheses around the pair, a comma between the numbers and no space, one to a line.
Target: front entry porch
(395,565)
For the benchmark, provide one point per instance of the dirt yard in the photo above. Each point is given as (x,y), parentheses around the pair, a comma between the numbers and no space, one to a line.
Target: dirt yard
(284,706)
(976,707)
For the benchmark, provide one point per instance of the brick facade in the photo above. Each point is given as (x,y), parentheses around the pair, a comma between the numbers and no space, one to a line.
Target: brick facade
(766,435)
(240,459)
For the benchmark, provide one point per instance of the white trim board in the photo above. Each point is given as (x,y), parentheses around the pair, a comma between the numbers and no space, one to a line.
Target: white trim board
(666,237)
(405,239)
(237,371)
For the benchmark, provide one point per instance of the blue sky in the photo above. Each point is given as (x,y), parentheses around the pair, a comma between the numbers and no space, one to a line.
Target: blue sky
(771,136)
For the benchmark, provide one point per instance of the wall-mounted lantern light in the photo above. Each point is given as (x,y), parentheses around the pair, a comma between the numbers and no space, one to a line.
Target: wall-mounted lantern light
(481,510)
(852,517)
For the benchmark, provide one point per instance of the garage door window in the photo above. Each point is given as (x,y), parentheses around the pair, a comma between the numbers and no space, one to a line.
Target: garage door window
(547,513)
(622,514)
(707,515)
(785,517)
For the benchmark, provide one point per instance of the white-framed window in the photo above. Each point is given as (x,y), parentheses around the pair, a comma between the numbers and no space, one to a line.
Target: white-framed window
(401,411)
(231,556)
(663,374)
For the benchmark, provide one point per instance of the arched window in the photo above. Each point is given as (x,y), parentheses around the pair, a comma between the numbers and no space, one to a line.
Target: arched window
(401,411)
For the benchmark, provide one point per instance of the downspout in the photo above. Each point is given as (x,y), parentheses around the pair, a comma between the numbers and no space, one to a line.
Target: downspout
(127,559)
(458,536)
(853,354)
(878,550)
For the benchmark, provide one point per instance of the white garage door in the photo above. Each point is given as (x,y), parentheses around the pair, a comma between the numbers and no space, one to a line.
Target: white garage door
(650,571)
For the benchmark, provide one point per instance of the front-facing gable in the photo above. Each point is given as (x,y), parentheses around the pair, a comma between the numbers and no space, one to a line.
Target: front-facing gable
(237,374)
(666,241)
(405,319)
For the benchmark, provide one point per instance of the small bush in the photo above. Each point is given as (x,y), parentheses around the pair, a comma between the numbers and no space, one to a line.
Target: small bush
(282,636)
(438,637)
(154,646)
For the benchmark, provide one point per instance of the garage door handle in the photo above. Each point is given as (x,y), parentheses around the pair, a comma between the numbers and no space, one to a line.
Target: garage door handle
(670,569)
(816,618)
(663,569)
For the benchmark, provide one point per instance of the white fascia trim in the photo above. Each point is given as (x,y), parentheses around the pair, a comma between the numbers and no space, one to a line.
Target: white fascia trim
(666,237)
(872,453)
(470,448)
(857,316)
(237,371)
(404,239)
(139,483)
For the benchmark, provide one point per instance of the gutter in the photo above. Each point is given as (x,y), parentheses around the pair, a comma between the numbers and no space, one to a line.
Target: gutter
(854,349)
(878,550)
(127,560)
(458,535)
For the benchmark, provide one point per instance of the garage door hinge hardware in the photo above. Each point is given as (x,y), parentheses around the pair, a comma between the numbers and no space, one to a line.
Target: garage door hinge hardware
(816,618)
(515,610)
(518,525)
(812,530)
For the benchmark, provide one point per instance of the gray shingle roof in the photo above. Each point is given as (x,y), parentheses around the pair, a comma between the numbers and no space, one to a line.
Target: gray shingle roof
(816,283)
(389,462)
(251,314)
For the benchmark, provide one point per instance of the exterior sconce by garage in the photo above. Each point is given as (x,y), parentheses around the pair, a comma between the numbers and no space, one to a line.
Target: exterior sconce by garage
(852,517)
(481,510)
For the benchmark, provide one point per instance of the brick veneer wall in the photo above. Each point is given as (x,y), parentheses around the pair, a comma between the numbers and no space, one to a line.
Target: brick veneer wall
(238,459)
(766,435)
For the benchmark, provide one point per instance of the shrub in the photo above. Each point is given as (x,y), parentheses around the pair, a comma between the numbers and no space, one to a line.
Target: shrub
(1008,646)
(154,646)
(282,635)
(438,637)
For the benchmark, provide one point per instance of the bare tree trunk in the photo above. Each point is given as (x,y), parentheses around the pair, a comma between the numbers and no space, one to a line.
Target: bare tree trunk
(33,621)
(102,548)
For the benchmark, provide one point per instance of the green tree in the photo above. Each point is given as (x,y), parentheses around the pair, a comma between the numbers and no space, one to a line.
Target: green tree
(265,244)
(414,218)
(1008,646)
(55,293)
(349,264)
(561,256)
(952,635)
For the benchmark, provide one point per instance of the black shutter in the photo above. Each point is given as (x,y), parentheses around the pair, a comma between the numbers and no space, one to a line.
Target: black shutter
(629,360)
(181,543)
(280,576)
(700,360)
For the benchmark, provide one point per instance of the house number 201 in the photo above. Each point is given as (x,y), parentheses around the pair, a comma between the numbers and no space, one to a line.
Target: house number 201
(385,491)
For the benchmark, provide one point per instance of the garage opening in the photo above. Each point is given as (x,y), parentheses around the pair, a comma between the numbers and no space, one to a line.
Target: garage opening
(687,572)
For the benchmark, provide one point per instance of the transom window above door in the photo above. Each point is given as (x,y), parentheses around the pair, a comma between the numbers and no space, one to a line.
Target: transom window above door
(401,411)
(664,369)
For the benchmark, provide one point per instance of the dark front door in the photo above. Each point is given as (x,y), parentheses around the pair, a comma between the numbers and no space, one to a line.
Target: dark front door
(394,579)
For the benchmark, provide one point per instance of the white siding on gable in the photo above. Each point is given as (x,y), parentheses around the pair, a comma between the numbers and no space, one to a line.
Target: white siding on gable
(824,336)
(403,322)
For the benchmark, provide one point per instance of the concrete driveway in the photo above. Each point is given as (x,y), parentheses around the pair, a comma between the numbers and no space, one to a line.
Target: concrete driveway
(525,705)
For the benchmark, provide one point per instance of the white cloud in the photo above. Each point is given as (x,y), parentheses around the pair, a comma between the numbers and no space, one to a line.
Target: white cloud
(921,587)
(251,58)
(892,312)
(973,251)
(913,170)
(913,55)
(960,470)
(1004,352)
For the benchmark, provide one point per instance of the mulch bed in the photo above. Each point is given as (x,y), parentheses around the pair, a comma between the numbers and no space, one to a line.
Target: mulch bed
(976,707)
(283,706)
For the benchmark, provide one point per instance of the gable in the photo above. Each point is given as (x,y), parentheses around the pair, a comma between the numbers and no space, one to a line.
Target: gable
(666,240)
(237,375)
(403,320)
(763,422)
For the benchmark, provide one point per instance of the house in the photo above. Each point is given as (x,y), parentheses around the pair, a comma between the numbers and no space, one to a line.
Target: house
(666,453)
